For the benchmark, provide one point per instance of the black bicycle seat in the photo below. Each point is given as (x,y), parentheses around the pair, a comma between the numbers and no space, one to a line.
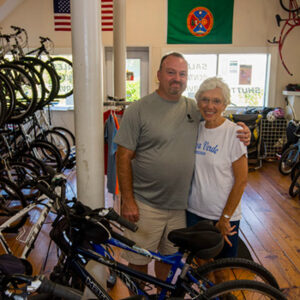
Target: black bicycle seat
(204,240)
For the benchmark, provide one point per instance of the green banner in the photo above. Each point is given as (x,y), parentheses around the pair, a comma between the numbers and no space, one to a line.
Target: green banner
(200,21)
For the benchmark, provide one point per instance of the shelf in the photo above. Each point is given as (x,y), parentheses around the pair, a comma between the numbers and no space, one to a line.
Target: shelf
(291,93)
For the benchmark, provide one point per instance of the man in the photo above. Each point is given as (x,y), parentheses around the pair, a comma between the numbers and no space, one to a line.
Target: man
(155,161)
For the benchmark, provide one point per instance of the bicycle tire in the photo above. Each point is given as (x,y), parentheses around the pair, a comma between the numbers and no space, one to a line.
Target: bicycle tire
(7,94)
(47,154)
(11,201)
(62,72)
(59,141)
(35,163)
(239,268)
(295,170)
(287,7)
(288,160)
(49,76)
(69,135)
(243,288)
(295,186)
(21,174)
(24,89)
(38,80)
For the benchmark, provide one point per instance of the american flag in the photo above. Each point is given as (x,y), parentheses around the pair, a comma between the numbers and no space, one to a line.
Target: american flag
(62,15)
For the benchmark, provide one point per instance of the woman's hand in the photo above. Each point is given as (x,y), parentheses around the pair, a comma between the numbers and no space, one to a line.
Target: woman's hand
(244,134)
(226,229)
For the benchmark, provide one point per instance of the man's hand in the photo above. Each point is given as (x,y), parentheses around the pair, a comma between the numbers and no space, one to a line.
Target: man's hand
(244,134)
(130,210)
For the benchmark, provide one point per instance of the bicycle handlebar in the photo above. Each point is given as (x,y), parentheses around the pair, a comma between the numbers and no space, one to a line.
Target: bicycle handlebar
(113,216)
(42,285)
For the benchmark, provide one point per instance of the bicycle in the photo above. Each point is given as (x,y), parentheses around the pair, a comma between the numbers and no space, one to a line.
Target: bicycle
(290,157)
(16,282)
(81,227)
(48,201)
(293,20)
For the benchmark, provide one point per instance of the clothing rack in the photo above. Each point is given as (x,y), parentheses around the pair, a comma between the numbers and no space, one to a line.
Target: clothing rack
(116,103)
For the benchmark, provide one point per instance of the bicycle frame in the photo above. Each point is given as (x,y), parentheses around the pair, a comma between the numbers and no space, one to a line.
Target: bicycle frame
(75,262)
(291,22)
(29,242)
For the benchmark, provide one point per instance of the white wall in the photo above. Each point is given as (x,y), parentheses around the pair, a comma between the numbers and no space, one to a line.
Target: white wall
(254,23)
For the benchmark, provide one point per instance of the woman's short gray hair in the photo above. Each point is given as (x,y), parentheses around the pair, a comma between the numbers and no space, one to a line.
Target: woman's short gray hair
(212,83)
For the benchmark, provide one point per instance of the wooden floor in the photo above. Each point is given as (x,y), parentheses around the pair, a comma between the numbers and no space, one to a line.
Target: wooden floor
(270,228)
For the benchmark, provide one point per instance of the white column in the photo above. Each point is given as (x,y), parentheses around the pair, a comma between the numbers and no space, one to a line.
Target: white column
(88,106)
(119,57)
(88,98)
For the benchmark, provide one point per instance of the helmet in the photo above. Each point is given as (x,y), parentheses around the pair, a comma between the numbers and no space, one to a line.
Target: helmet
(271,116)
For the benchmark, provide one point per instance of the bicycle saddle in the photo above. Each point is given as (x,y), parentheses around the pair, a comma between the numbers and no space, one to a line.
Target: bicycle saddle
(204,240)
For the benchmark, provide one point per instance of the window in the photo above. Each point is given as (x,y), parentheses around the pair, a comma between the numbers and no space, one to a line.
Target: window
(137,64)
(246,75)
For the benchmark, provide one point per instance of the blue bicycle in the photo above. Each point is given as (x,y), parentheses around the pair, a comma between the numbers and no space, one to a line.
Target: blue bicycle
(84,234)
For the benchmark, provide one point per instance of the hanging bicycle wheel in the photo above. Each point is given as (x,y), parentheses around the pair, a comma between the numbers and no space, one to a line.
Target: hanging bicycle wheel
(7,99)
(37,78)
(243,289)
(24,89)
(50,78)
(290,5)
(11,201)
(64,70)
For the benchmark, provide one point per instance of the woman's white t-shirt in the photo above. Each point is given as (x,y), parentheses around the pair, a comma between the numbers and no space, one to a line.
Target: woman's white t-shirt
(216,150)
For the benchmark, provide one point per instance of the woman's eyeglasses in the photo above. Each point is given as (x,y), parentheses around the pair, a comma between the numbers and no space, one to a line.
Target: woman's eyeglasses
(215,101)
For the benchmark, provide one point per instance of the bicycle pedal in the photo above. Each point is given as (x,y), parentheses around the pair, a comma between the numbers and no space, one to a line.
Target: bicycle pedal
(111,280)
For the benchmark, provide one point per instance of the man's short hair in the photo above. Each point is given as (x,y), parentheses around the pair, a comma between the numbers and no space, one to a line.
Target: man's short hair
(177,54)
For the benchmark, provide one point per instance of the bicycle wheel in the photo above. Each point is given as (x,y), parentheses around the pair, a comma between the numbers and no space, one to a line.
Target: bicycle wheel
(288,160)
(47,154)
(24,89)
(295,170)
(49,76)
(295,186)
(37,78)
(290,6)
(236,269)
(7,98)
(243,289)
(22,174)
(67,133)
(64,70)
(11,201)
(58,140)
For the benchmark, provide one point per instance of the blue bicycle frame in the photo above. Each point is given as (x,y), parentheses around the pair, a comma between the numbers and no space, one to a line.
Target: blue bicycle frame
(174,260)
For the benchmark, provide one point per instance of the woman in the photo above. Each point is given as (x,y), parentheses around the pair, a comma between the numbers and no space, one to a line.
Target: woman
(221,167)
